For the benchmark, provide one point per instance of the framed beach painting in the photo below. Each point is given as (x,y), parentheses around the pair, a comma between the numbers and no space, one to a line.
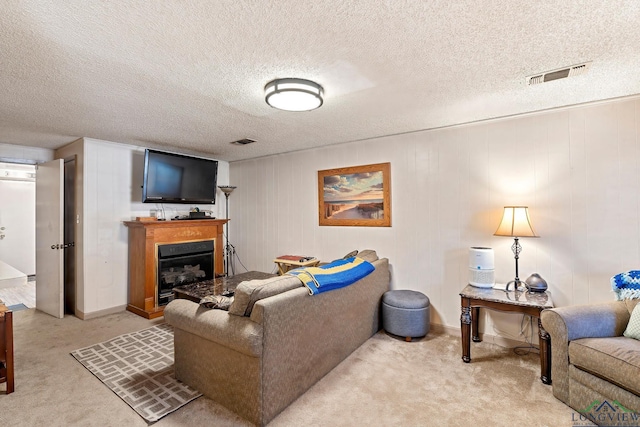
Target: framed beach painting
(356,196)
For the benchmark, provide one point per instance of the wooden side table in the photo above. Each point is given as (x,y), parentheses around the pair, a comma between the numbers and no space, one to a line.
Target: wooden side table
(531,303)
(6,347)
(286,264)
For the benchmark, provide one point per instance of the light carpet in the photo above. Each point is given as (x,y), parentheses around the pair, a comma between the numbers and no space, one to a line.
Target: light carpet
(385,382)
(138,367)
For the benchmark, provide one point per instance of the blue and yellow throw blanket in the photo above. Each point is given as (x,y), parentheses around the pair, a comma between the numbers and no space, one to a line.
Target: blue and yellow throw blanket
(335,275)
(626,285)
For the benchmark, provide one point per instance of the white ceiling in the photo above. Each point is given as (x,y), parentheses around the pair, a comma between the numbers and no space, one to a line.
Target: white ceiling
(189,75)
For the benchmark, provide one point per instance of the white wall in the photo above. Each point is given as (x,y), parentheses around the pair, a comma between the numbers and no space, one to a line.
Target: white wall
(111,181)
(18,217)
(576,169)
(18,206)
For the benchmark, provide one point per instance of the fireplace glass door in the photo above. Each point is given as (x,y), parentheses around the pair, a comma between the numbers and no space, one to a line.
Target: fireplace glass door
(181,264)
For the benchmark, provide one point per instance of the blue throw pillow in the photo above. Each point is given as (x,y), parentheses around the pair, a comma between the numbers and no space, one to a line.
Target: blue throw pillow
(626,285)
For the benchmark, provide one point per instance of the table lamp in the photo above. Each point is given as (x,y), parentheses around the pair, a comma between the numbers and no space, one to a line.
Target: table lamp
(515,223)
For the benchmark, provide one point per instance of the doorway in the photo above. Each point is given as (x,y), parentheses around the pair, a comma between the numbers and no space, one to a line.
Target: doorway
(19,205)
(17,216)
(17,234)
(70,236)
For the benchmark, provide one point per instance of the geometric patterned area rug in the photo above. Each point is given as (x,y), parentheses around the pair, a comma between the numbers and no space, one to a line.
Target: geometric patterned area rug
(138,367)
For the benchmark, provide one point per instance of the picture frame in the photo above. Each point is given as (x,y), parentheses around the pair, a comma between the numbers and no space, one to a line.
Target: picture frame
(355,196)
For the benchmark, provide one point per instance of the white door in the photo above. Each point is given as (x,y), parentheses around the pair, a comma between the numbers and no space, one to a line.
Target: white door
(49,238)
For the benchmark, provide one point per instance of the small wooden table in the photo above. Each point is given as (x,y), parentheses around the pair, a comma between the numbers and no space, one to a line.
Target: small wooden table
(285,265)
(196,291)
(531,303)
(6,347)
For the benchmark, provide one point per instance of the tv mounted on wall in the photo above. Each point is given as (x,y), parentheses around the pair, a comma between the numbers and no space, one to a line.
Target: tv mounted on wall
(175,178)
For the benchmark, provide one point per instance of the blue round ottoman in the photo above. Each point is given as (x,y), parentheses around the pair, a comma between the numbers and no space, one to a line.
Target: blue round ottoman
(405,313)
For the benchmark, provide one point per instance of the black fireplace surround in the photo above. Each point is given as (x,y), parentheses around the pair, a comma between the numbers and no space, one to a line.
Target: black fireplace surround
(181,264)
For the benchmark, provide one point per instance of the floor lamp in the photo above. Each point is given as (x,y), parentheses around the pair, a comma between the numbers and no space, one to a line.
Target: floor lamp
(515,223)
(229,250)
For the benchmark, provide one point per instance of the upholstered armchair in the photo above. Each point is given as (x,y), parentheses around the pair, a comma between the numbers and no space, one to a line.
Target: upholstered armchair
(592,361)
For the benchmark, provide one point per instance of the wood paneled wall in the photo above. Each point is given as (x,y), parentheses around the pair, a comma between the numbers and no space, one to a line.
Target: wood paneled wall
(576,168)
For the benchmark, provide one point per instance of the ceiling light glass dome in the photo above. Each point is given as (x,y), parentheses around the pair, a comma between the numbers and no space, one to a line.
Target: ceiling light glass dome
(293,94)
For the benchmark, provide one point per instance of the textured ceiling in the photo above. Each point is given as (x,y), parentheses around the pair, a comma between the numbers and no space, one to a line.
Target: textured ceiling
(189,75)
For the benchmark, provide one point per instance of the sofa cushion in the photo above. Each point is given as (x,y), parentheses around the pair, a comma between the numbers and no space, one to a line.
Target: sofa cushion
(633,327)
(368,255)
(615,359)
(351,254)
(247,293)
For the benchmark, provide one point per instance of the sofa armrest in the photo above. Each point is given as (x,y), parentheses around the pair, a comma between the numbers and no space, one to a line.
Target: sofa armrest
(235,332)
(565,324)
(591,321)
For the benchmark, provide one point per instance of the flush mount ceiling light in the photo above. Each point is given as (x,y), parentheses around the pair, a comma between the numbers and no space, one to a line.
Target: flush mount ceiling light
(293,94)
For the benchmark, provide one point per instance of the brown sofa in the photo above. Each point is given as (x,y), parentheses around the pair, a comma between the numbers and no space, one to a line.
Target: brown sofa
(257,365)
(591,360)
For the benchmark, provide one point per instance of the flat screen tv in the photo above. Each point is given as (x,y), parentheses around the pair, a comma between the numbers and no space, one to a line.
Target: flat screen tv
(174,178)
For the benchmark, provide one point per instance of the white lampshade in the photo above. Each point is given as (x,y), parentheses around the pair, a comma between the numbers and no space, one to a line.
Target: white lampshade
(515,223)
(293,94)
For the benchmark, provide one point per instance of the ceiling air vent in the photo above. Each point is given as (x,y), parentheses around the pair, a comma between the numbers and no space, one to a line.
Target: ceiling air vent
(244,141)
(560,73)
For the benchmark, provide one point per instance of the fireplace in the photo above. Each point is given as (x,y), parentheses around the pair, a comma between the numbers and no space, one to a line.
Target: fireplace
(183,263)
(145,237)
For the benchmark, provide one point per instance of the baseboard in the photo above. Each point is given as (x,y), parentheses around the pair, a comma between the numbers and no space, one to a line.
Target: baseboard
(490,338)
(113,310)
(13,282)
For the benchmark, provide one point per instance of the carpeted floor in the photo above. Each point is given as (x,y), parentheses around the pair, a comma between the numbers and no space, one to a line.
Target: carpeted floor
(386,382)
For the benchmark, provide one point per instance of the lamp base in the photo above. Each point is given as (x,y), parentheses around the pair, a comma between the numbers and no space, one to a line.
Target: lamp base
(516,284)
